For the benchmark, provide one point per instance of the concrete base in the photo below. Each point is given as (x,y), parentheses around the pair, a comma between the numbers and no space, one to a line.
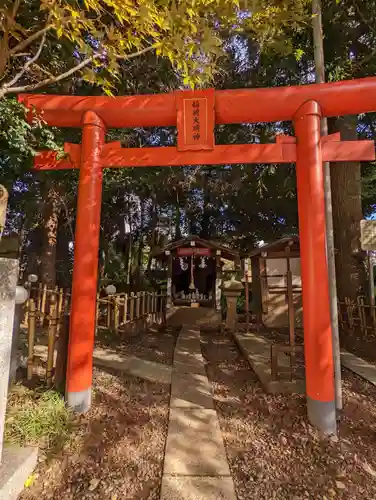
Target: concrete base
(322,415)
(17,465)
(79,402)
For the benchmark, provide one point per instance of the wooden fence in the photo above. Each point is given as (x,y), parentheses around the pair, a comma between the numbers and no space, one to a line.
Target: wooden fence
(129,312)
(46,314)
(357,316)
(42,298)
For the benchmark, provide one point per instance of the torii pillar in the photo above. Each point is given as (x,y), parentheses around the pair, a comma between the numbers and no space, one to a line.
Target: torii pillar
(195,114)
(85,267)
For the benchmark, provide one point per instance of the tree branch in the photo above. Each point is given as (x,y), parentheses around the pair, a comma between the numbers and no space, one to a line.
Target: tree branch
(27,64)
(48,81)
(25,43)
(16,6)
(43,70)
(138,53)
(70,72)
(4,46)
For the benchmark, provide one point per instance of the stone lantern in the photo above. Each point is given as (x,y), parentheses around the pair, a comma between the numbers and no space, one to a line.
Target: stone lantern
(232,289)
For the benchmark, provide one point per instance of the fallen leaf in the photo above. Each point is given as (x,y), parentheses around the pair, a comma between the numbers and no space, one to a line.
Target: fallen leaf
(93,484)
(367,468)
(340,485)
(283,441)
(29,481)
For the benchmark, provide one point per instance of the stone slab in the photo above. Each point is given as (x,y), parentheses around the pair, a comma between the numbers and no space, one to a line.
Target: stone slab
(186,365)
(187,344)
(256,350)
(155,372)
(195,444)
(359,366)
(17,465)
(189,332)
(186,356)
(8,283)
(197,488)
(190,390)
(149,370)
(190,346)
(184,315)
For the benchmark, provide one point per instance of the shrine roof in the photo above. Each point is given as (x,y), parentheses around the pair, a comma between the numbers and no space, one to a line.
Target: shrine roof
(226,252)
(276,246)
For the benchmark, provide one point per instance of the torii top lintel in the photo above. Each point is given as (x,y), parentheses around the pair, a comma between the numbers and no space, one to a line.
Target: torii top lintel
(231,106)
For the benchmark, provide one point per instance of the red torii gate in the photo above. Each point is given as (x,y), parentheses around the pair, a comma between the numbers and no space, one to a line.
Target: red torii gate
(195,114)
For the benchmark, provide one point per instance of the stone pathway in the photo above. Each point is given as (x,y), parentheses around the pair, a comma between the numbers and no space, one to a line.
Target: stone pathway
(195,465)
(359,366)
(149,370)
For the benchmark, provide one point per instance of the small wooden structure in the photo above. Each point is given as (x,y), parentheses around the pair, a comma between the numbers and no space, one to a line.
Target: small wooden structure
(195,269)
(270,268)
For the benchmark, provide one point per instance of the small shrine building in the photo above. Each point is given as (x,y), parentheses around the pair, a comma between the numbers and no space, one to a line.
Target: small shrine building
(195,269)
(268,274)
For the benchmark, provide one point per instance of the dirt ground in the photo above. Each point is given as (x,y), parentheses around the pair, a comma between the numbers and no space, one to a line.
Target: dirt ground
(152,345)
(117,449)
(273,453)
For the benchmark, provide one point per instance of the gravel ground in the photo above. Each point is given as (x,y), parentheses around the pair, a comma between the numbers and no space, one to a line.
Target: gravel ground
(152,345)
(273,452)
(116,450)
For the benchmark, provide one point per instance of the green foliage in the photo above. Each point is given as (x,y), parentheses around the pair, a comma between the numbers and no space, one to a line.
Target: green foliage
(102,33)
(34,418)
(20,140)
(240,204)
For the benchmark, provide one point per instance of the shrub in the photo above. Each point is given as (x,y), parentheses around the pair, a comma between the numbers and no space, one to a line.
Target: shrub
(37,418)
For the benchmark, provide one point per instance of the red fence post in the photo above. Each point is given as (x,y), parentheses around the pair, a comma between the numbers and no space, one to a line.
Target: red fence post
(85,269)
(316,312)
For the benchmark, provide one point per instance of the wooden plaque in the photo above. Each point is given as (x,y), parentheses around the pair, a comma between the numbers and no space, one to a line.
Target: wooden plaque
(195,120)
(203,252)
(184,252)
(368,234)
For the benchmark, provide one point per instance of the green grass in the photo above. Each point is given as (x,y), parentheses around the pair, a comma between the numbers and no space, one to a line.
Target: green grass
(37,418)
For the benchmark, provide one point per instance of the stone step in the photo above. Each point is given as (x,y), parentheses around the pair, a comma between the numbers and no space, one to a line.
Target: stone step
(189,315)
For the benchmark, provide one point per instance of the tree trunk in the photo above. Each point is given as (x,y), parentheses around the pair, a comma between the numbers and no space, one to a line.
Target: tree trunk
(154,231)
(64,264)
(31,251)
(140,250)
(347,213)
(49,239)
(128,260)
(177,223)
(207,212)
